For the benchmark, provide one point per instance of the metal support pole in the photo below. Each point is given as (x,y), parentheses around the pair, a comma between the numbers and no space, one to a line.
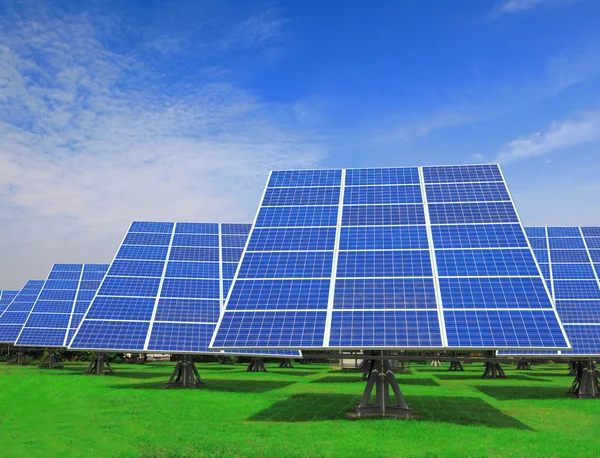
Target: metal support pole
(382,379)
(185,375)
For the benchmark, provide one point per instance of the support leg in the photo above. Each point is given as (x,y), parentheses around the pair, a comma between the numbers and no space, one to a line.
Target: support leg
(382,379)
(455,366)
(435,363)
(226,360)
(51,361)
(286,363)
(587,381)
(256,365)
(185,375)
(523,365)
(99,366)
(493,369)
(368,365)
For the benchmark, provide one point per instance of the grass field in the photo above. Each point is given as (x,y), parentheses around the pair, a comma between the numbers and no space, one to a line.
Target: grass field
(290,412)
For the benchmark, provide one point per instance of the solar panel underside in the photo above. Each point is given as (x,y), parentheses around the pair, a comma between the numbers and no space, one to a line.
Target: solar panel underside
(63,300)
(165,289)
(6,297)
(15,315)
(570,260)
(404,258)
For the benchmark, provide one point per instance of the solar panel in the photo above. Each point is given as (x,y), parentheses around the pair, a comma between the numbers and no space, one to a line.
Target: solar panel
(164,291)
(6,297)
(396,258)
(567,256)
(15,315)
(63,300)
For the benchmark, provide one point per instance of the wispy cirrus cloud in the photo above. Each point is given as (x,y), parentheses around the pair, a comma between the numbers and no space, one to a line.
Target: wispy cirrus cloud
(93,138)
(477,104)
(558,136)
(518,6)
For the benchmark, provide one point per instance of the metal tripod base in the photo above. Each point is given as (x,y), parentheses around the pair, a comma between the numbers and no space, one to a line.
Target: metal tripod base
(51,361)
(523,365)
(256,365)
(20,359)
(435,363)
(574,367)
(185,375)
(99,366)
(226,360)
(587,380)
(305,361)
(493,369)
(455,366)
(382,379)
(286,363)
(367,368)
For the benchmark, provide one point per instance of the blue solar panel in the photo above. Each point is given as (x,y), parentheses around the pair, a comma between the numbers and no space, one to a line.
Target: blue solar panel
(14,316)
(165,295)
(430,257)
(574,283)
(60,306)
(6,297)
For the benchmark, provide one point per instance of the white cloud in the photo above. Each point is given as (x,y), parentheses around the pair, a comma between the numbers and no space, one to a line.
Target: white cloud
(92,139)
(517,6)
(559,136)
(476,104)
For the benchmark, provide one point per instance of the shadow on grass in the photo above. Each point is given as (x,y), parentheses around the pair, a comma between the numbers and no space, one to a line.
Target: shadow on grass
(417,381)
(219,385)
(510,393)
(470,411)
(477,376)
(463,410)
(140,375)
(339,379)
(293,372)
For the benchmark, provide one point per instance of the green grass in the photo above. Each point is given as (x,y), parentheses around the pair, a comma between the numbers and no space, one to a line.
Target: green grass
(290,412)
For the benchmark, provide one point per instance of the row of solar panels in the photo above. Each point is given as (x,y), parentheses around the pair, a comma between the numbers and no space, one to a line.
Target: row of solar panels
(431,257)
(163,292)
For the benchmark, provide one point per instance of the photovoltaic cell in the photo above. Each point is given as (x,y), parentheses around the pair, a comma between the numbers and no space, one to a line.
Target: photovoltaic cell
(165,289)
(6,297)
(14,316)
(574,282)
(413,257)
(60,305)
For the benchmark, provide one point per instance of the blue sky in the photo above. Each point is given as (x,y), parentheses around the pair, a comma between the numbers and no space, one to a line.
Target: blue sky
(176,110)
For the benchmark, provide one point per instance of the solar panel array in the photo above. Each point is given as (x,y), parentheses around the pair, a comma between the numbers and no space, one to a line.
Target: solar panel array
(63,300)
(415,257)
(6,297)
(165,289)
(570,260)
(15,315)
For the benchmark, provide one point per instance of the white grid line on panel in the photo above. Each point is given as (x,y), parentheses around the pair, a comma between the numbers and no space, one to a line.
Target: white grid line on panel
(336,251)
(587,249)
(404,204)
(32,306)
(73,307)
(99,288)
(160,286)
(550,295)
(221,299)
(436,278)
(237,270)
(550,264)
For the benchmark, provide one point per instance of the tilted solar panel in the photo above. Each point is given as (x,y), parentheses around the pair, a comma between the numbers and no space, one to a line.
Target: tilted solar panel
(63,300)
(164,291)
(568,257)
(6,297)
(15,315)
(398,258)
